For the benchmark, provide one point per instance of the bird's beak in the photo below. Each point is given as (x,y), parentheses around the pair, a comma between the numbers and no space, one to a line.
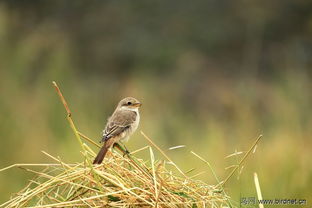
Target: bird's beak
(137,104)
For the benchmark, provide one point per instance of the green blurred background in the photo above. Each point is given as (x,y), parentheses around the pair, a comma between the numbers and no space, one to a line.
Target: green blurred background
(212,75)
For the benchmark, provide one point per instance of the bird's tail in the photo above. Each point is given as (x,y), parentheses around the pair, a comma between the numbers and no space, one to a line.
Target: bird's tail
(100,156)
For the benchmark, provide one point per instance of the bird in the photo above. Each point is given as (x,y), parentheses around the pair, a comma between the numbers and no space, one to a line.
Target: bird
(120,126)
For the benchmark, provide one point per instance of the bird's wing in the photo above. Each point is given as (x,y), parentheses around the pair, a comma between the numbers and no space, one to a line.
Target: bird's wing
(118,123)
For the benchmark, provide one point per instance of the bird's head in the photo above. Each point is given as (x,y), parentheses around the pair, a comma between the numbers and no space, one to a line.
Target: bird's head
(129,103)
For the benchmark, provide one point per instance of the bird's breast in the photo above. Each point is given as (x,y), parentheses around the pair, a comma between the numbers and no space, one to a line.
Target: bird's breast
(136,123)
(133,127)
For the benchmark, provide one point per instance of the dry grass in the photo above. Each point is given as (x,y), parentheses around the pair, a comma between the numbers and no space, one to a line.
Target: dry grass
(120,181)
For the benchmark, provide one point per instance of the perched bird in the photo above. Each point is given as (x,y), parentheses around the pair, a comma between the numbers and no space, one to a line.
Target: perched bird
(124,121)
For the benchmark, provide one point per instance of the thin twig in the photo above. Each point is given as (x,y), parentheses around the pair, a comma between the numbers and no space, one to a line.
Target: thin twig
(69,114)
(259,194)
(241,161)
(34,165)
(88,139)
(62,98)
(162,152)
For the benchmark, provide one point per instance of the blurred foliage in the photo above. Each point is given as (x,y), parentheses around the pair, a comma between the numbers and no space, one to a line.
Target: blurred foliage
(212,75)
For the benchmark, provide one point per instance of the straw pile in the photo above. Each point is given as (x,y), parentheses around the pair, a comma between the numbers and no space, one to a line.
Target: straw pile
(118,182)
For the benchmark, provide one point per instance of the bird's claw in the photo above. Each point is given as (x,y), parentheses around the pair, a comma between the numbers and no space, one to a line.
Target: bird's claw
(126,153)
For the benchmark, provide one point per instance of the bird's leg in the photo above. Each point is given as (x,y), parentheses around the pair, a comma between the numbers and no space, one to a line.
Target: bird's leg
(127,151)
(122,149)
(118,146)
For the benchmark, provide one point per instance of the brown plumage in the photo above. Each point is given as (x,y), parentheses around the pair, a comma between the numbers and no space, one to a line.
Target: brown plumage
(100,156)
(120,125)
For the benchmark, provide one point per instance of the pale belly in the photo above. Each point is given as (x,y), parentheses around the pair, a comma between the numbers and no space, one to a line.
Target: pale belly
(125,136)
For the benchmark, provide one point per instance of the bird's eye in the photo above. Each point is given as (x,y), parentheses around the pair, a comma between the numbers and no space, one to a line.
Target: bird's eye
(129,103)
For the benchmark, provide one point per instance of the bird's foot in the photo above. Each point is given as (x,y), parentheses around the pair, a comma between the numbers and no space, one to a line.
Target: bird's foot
(126,153)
